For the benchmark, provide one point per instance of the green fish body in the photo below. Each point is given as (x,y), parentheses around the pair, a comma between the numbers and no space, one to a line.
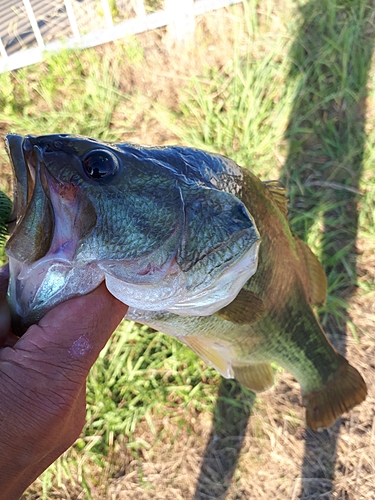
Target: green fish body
(271,319)
(196,246)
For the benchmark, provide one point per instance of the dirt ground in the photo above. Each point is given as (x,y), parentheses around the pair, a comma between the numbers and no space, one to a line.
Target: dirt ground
(273,456)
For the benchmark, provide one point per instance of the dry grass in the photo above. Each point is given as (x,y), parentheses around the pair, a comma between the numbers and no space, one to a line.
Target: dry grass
(277,457)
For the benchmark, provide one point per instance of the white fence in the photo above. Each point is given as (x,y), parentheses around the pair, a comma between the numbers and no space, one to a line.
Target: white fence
(28,28)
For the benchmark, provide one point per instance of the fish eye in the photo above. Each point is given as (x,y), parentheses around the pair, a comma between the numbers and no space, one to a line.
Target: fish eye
(99,164)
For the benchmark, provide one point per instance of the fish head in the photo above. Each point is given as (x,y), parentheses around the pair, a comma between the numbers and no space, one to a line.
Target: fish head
(162,232)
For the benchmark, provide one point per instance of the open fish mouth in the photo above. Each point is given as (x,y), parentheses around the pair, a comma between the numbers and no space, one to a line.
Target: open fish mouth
(162,226)
(40,249)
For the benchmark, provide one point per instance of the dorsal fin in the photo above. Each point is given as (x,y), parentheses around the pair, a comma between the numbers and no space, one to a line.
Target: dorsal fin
(316,275)
(246,308)
(278,192)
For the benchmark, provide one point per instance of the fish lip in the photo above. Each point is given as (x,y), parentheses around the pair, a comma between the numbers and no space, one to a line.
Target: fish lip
(21,152)
(34,161)
(25,157)
(23,184)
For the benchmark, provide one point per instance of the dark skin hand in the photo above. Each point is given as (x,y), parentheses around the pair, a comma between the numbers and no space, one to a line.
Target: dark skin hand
(43,382)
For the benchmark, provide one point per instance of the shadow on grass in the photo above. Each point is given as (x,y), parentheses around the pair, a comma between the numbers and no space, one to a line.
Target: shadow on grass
(331,57)
(232,411)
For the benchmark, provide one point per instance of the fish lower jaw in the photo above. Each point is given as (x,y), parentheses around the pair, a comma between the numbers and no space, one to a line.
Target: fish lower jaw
(148,296)
(34,289)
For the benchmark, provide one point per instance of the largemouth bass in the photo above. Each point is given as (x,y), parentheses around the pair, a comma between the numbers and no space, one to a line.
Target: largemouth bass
(198,247)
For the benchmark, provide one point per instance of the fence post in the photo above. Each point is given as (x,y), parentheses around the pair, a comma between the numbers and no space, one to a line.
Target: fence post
(34,23)
(140,8)
(3,52)
(72,19)
(183,21)
(107,14)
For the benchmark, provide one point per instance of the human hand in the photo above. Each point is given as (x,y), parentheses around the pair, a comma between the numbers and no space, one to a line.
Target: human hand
(43,382)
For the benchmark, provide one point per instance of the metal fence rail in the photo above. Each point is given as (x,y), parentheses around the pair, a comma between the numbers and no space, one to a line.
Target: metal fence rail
(28,28)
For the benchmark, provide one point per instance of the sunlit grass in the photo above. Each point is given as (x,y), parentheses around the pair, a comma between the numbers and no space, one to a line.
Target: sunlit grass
(139,375)
(240,111)
(141,370)
(72,92)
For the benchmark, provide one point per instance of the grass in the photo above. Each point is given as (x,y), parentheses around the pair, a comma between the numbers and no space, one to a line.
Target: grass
(68,86)
(138,374)
(286,90)
(240,111)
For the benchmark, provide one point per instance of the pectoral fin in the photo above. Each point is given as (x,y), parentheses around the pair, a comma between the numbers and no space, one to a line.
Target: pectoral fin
(213,353)
(257,377)
(245,309)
